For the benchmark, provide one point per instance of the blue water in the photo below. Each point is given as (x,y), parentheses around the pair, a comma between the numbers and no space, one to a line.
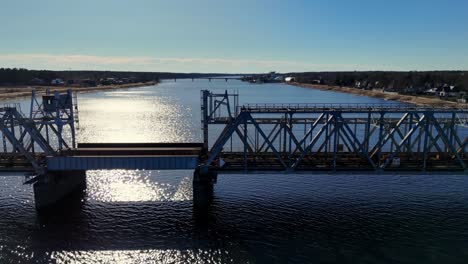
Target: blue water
(147,216)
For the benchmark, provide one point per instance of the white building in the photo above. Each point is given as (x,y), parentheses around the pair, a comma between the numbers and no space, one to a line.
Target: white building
(57,82)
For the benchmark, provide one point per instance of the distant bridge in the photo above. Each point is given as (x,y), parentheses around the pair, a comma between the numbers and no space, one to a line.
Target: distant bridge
(212,78)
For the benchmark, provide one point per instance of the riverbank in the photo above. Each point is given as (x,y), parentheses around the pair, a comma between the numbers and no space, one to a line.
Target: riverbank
(25,91)
(410,99)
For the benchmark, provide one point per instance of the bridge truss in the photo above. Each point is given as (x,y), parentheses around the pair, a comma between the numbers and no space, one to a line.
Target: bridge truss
(49,128)
(331,137)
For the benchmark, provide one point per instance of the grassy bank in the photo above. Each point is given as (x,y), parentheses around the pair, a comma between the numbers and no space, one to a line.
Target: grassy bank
(18,92)
(417,100)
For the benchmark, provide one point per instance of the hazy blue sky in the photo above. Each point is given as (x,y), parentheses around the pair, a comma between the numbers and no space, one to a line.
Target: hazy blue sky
(234,36)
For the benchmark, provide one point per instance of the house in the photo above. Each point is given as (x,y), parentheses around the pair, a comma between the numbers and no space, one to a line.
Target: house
(290,79)
(430,91)
(57,81)
(455,91)
(442,92)
(450,91)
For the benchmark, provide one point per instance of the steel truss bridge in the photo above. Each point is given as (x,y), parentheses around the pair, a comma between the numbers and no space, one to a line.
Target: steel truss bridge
(247,138)
(331,137)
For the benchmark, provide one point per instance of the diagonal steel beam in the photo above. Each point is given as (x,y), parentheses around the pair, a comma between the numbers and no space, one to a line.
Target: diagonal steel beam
(408,135)
(361,148)
(270,145)
(224,137)
(313,126)
(382,143)
(447,142)
(312,143)
(269,136)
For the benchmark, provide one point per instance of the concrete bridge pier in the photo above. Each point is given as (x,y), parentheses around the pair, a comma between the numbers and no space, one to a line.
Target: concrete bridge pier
(55,187)
(203,181)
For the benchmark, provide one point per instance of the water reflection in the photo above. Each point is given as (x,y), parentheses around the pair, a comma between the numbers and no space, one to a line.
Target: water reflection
(134,117)
(148,216)
(144,256)
(139,186)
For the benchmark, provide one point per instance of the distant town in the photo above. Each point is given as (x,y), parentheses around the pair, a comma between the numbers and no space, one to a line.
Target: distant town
(447,85)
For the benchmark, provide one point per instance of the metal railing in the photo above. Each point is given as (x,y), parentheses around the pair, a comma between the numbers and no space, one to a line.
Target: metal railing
(274,107)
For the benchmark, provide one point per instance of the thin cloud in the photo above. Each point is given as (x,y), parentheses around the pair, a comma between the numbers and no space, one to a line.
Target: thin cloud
(144,63)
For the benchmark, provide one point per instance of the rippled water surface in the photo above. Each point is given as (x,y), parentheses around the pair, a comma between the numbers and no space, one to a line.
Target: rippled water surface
(147,216)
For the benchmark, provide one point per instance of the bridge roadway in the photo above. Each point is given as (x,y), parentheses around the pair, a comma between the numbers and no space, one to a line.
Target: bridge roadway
(130,156)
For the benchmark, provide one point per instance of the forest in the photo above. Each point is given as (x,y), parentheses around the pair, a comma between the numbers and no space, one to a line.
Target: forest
(388,80)
(19,77)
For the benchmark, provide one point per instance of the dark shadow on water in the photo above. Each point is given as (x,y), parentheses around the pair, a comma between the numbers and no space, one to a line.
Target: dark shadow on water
(78,224)
(68,208)
(297,229)
(332,232)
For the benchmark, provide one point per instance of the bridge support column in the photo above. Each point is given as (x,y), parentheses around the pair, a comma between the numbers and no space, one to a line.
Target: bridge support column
(56,186)
(203,181)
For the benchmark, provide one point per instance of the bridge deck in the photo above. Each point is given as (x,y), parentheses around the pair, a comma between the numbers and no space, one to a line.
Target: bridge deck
(345,161)
(147,156)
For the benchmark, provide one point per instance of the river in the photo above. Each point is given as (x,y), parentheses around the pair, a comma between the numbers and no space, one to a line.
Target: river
(147,216)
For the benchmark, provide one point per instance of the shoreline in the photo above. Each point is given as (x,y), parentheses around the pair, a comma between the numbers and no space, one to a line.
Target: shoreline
(410,99)
(7,93)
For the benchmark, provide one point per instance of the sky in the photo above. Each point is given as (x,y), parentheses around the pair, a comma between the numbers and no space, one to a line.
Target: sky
(234,36)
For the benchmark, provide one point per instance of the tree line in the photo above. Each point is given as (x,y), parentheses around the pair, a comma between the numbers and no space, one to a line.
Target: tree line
(19,76)
(389,80)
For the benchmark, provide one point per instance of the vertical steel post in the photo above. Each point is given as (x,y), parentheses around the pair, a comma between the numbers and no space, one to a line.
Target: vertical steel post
(379,153)
(33,98)
(426,136)
(284,132)
(335,138)
(4,143)
(58,120)
(450,131)
(326,135)
(367,131)
(72,118)
(12,127)
(305,129)
(290,136)
(245,144)
(204,111)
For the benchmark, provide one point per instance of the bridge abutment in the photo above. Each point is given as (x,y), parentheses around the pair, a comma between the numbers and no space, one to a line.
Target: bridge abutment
(57,186)
(203,181)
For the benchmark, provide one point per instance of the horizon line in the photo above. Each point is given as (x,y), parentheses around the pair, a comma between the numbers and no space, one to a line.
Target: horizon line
(64,62)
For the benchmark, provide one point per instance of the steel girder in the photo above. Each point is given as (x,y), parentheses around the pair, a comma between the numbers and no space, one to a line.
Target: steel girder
(380,138)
